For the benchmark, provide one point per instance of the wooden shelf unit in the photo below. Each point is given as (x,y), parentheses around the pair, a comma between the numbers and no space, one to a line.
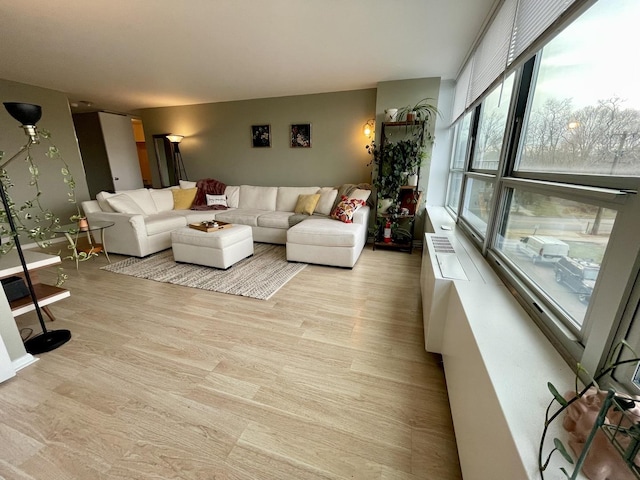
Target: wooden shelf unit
(46,294)
(406,191)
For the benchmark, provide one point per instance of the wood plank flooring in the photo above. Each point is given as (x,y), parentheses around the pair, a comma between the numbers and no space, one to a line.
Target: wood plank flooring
(326,380)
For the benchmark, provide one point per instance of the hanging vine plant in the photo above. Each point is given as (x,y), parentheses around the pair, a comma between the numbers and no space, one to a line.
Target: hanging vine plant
(32,218)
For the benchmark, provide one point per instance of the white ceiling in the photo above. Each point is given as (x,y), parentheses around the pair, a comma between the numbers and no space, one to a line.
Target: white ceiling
(123,55)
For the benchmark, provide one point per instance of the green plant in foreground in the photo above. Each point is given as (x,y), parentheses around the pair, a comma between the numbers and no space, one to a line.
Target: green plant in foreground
(618,402)
(31,218)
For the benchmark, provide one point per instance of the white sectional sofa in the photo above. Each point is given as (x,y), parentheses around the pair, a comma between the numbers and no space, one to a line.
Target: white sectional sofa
(144,218)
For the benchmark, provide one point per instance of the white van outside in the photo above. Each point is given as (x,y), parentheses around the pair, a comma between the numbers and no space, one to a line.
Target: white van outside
(541,248)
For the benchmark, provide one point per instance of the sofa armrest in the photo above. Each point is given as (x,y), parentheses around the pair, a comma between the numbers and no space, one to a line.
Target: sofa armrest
(361,215)
(128,235)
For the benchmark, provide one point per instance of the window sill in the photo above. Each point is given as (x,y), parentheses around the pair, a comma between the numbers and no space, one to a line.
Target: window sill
(497,364)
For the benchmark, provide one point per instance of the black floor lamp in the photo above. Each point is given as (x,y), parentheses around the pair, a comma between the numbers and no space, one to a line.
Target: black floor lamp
(28,115)
(178,165)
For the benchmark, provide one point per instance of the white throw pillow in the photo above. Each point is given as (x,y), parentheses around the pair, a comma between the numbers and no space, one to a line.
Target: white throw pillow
(360,194)
(187,184)
(143,199)
(123,203)
(102,201)
(217,200)
(327,197)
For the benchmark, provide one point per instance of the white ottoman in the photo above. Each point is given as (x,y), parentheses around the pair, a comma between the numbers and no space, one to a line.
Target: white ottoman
(219,249)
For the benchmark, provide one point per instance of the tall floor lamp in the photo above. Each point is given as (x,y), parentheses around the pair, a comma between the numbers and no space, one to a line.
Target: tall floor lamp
(28,115)
(178,165)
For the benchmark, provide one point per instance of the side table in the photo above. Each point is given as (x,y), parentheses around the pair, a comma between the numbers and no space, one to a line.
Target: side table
(72,231)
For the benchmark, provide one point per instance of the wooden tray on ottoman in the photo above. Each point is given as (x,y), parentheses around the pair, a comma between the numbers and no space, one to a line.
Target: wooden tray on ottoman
(208,226)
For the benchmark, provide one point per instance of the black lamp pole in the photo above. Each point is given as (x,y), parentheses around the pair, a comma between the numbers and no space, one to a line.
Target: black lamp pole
(28,115)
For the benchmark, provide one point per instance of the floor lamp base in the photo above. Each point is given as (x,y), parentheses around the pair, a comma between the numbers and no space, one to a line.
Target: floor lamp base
(47,341)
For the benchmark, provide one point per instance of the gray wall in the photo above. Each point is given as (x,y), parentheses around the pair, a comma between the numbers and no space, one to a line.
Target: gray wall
(217,141)
(56,118)
(401,93)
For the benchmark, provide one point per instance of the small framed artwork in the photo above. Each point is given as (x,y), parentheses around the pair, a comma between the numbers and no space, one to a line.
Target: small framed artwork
(261,135)
(301,135)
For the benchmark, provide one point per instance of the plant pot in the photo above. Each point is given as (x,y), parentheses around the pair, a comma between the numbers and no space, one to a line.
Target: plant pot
(82,223)
(384,204)
(411,116)
(412,180)
(391,114)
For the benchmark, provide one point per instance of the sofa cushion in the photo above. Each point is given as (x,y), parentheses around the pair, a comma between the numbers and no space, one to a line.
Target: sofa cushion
(183,198)
(307,203)
(187,184)
(142,197)
(346,208)
(325,232)
(243,216)
(274,220)
(288,197)
(257,198)
(101,198)
(123,203)
(163,198)
(163,222)
(327,199)
(233,196)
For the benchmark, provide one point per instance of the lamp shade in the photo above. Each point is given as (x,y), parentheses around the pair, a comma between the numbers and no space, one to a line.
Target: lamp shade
(25,113)
(175,138)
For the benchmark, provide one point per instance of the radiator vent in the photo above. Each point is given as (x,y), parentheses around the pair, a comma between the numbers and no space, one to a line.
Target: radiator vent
(442,244)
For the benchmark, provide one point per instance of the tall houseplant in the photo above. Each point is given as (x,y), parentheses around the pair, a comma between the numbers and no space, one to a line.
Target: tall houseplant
(32,218)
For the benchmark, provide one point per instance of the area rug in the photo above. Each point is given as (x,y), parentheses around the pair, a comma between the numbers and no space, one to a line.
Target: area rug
(259,276)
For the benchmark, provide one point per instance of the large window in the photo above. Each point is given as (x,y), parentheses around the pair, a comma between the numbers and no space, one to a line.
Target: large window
(557,245)
(584,116)
(460,146)
(491,127)
(550,186)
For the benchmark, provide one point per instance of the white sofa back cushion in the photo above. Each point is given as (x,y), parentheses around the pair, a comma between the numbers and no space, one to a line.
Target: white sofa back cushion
(258,198)
(288,197)
(233,196)
(102,201)
(142,197)
(123,203)
(162,198)
(187,184)
(327,197)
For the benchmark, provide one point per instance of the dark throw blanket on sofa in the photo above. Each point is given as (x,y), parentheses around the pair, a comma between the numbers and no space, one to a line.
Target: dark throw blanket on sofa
(208,186)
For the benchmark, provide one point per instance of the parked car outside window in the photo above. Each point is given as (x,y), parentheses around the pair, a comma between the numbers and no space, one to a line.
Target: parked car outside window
(579,275)
(542,248)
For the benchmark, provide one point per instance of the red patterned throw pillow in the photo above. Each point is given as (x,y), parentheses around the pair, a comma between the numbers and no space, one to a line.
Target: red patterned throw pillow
(346,208)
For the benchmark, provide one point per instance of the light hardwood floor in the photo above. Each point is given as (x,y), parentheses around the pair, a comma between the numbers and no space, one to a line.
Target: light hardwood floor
(326,380)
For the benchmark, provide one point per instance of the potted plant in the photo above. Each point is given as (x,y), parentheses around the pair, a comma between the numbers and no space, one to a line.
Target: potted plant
(423,111)
(602,425)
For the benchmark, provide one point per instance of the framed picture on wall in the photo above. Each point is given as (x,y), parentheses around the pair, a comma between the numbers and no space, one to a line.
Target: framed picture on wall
(300,135)
(261,135)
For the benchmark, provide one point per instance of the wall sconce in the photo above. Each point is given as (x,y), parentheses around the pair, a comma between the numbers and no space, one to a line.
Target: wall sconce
(178,164)
(368,128)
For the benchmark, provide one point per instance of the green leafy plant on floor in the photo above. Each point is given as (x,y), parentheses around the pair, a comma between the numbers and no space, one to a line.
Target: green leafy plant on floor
(32,218)
(619,402)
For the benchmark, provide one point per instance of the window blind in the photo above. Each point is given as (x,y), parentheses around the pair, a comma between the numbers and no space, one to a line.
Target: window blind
(532,19)
(516,25)
(462,88)
(491,56)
